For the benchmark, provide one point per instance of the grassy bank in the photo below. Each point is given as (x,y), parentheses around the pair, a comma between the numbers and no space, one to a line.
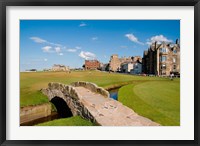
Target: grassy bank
(153,97)
(73,121)
(32,82)
(156,100)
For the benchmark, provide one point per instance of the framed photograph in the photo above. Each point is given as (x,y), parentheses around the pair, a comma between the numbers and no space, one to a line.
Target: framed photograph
(99,72)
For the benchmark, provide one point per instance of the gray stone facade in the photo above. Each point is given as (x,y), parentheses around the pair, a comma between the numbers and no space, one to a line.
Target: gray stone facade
(162,59)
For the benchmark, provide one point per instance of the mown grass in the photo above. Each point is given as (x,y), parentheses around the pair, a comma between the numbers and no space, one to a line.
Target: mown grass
(72,121)
(153,97)
(156,100)
(32,82)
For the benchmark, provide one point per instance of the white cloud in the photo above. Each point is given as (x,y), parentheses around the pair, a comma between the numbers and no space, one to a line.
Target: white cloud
(87,55)
(71,50)
(159,39)
(95,38)
(133,38)
(61,54)
(38,40)
(82,24)
(45,59)
(59,45)
(57,49)
(47,49)
(78,47)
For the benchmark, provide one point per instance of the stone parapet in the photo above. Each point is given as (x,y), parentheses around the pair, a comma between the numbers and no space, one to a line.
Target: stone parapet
(92,87)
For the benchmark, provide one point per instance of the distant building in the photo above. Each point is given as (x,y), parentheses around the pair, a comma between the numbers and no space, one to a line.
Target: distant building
(137,68)
(162,59)
(104,67)
(115,62)
(92,64)
(31,70)
(58,67)
(126,67)
(119,64)
(46,69)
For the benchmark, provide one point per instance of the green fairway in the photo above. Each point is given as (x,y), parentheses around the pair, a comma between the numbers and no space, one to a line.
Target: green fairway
(156,100)
(32,82)
(73,121)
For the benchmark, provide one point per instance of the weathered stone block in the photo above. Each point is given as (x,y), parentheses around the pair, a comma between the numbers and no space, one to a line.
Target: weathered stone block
(49,85)
(73,93)
(62,87)
(67,90)
(55,86)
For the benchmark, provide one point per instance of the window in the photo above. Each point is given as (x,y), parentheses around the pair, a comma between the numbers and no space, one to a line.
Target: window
(175,51)
(163,66)
(163,58)
(174,60)
(164,50)
(174,67)
(136,65)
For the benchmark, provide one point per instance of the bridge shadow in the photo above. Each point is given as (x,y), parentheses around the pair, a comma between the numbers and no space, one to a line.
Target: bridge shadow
(62,108)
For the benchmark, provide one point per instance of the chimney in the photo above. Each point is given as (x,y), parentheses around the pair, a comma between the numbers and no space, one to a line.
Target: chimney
(177,41)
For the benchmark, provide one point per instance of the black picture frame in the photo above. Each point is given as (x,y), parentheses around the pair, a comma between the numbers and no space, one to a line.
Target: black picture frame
(5,3)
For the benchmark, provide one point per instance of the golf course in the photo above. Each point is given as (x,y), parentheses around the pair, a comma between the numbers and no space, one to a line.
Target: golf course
(157,98)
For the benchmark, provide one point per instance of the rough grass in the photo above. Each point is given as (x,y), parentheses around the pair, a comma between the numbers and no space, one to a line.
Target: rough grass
(156,100)
(72,121)
(32,82)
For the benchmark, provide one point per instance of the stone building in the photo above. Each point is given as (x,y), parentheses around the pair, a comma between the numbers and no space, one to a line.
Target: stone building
(117,63)
(137,68)
(104,66)
(58,67)
(162,59)
(92,64)
(134,67)
(126,67)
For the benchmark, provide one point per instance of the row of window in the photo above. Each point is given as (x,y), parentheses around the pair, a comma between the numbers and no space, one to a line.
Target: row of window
(163,66)
(164,58)
(165,50)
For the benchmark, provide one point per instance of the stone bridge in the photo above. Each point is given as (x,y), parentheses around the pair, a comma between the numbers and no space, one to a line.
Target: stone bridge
(93,103)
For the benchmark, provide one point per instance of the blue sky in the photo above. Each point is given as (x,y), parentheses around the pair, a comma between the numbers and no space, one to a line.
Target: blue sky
(69,42)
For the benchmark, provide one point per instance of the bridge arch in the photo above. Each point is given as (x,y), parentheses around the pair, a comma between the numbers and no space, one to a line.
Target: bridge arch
(62,108)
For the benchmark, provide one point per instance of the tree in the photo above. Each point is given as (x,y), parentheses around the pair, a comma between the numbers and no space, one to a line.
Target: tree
(107,67)
(83,66)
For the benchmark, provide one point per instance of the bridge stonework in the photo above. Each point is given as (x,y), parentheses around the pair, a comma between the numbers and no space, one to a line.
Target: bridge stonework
(93,103)
(69,94)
